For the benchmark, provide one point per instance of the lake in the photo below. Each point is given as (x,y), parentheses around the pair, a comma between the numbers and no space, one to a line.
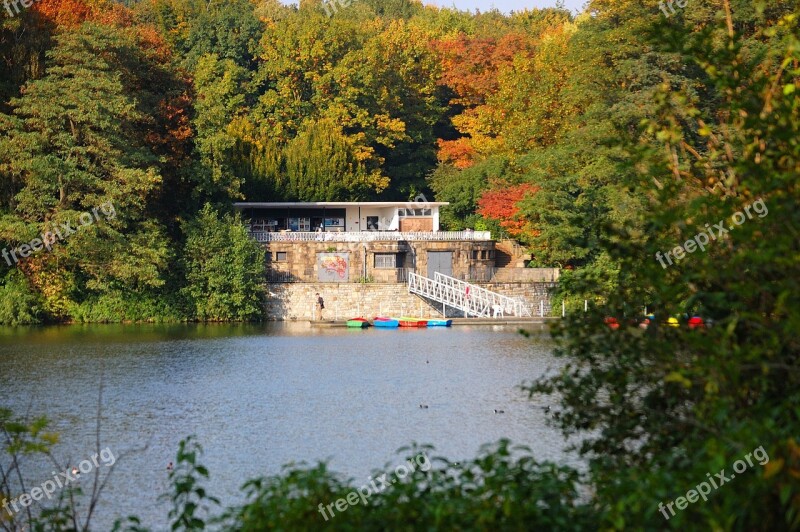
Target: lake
(260,396)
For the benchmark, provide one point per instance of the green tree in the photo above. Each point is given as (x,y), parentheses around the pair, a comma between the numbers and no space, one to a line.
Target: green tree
(21,305)
(463,188)
(78,140)
(224,269)
(667,409)
(228,29)
(221,92)
(323,165)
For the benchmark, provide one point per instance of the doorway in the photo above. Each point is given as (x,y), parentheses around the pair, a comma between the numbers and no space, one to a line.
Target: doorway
(440,261)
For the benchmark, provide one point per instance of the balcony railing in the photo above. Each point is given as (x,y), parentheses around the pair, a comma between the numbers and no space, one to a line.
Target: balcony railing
(370,236)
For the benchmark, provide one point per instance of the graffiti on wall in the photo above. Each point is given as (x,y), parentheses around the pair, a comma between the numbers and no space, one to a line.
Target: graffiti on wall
(333,267)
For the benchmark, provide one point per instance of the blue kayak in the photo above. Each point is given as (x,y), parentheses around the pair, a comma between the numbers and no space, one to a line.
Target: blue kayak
(388,323)
(440,323)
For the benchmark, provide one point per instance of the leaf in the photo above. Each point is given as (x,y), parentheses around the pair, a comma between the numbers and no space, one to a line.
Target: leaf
(773,467)
(677,377)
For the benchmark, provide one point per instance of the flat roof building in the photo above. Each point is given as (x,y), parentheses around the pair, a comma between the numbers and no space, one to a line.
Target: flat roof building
(330,244)
(364,240)
(342,216)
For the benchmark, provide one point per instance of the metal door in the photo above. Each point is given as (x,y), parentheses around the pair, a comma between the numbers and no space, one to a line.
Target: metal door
(440,261)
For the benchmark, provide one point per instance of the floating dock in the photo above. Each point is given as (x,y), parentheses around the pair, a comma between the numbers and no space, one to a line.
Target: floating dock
(456,321)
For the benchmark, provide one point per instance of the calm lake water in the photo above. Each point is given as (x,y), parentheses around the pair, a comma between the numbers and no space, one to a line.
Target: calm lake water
(258,397)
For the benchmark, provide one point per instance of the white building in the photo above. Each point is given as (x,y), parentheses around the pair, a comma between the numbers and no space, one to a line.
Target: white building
(341,216)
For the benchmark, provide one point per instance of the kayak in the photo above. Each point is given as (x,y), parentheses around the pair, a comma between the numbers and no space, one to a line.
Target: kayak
(388,323)
(358,323)
(413,322)
(440,323)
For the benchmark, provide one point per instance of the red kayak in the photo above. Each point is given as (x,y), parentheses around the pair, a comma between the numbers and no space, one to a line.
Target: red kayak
(412,322)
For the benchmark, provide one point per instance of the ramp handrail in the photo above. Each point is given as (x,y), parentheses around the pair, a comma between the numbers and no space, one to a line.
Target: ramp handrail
(471,299)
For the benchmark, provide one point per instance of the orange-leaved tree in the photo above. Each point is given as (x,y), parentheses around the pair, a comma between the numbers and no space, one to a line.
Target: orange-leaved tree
(501,203)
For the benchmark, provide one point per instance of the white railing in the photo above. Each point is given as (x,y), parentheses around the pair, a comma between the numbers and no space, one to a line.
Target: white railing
(471,299)
(370,236)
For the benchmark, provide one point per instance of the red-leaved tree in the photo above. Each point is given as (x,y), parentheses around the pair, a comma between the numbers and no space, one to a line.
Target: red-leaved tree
(501,203)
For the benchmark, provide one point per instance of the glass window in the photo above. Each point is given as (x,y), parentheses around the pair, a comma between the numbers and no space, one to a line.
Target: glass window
(280,256)
(385,260)
(407,213)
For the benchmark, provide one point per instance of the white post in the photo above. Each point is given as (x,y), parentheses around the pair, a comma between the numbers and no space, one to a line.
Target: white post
(585,305)
(541,308)
(563,308)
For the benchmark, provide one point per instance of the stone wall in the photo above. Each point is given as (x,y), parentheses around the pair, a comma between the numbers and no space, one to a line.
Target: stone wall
(296,301)
(526,275)
(532,293)
(297,261)
(512,253)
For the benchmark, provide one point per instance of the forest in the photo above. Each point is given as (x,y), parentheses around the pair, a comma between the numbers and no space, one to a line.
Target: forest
(173,109)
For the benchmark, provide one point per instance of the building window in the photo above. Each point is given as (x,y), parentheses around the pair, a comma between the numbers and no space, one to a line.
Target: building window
(408,213)
(280,256)
(334,222)
(475,254)
(372,223)
(300,224)
(386,260)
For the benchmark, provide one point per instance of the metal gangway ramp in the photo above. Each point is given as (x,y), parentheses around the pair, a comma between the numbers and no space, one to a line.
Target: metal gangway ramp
(471,299)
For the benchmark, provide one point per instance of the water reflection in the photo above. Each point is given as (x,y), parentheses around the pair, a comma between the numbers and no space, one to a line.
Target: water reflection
(260,396)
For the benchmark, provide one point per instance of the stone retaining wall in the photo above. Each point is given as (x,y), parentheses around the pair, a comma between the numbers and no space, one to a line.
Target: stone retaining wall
(296,301)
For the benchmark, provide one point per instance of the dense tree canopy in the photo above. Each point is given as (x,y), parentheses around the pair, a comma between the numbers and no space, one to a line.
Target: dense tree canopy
(162,106)
(220,101)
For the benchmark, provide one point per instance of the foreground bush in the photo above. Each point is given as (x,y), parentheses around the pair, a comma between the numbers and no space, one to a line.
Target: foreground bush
(19,304)
(504,488)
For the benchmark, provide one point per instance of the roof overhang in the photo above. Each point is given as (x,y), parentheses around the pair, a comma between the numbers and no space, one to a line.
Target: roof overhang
(338,204)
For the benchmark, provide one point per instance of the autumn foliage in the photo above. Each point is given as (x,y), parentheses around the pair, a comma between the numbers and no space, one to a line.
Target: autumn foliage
(65,13)
(501,203)
(470,65)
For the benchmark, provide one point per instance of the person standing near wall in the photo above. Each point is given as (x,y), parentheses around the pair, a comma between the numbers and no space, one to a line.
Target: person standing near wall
(320,306)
